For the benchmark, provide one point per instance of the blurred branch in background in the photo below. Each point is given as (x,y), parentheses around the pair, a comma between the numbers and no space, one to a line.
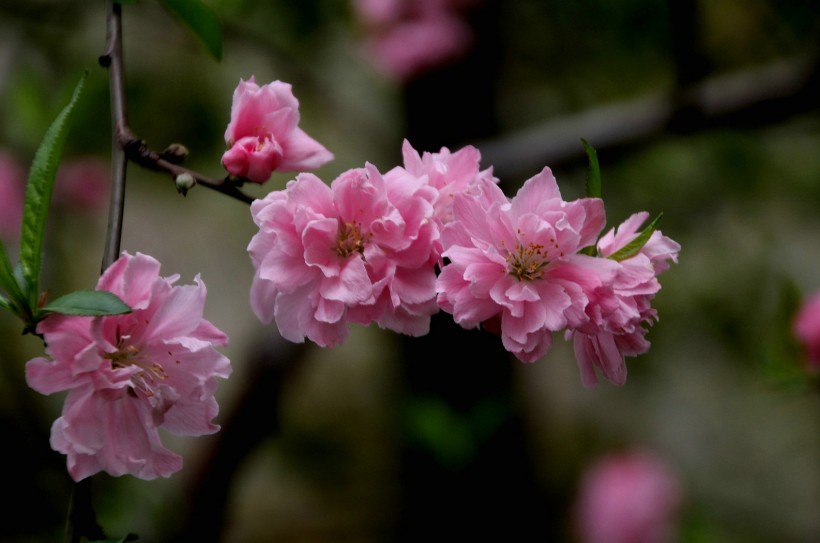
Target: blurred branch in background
(752,98)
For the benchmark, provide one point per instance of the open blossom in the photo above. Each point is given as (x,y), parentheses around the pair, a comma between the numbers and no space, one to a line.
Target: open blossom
(358,251)
(515,264)
(263,135)
(807,330)
(129,375)
(631,497)
(620,310)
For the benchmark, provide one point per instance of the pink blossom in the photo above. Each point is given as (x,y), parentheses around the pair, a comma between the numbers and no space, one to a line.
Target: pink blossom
(406,38)
(129,375)
(620,310)
(631,497)
(515,264)
(448,172)
(358,251)
(263,135)
(12,186)
(807,330)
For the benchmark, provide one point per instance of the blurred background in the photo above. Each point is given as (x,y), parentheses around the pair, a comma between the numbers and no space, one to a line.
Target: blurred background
(705,111)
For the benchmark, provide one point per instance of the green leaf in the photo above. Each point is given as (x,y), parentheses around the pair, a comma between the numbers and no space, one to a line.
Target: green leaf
(38,195)
(89,303)
(200,20)
(594,171)
(633,247)
(17,302)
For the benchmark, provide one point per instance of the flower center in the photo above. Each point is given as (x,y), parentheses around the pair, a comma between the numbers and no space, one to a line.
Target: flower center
(350,239)
(527,262)
(149,372)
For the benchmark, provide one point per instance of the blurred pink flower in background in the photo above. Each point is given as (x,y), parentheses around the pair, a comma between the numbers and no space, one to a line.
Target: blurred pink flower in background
(12,190)
(807,330)
(129,375)
(631,497)
(618,311)
(405,38)
(82,184)
(263,135)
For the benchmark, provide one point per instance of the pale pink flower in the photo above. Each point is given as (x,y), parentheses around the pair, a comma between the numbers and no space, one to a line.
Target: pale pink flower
(807,330)
(515,264)
(619,311)
(12,188)
(129,375)
(632,497)
(263,134)
(358,251)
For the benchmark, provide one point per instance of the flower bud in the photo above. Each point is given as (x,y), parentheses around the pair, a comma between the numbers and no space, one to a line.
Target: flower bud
(176,153)
(184,182)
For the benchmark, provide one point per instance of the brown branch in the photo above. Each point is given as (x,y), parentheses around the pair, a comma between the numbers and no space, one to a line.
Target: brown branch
(137,151)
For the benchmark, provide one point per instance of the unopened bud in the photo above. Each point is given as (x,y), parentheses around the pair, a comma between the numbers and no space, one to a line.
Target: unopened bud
(176,153)
(184,182)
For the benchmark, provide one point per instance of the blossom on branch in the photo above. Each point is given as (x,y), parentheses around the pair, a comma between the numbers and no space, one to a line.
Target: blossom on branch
(807,330)
(263,135)
(620,310)
(129,375)
(515,266)
(448,172)
(361,250)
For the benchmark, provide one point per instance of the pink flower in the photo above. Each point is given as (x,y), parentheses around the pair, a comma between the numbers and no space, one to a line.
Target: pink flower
(406,38)
(807,330)
(448,172)
(514,264)
(361,250)
(632,497)
(618,311)
(129,375)
(263,135)
(12,183)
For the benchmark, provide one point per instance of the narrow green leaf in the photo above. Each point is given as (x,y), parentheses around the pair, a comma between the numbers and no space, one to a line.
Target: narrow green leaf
(8,282)
(633,247)
(4,303)
(38,194)
(594,171)
(200,20)
(89,303)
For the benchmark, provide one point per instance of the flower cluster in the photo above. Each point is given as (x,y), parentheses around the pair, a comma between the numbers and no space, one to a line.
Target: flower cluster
(439,233)
(129,375)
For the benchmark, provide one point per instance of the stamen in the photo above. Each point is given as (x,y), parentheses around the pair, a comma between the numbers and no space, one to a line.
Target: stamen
(350,239)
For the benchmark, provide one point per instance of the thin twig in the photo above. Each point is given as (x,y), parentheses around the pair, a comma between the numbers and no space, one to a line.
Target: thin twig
(113,60)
